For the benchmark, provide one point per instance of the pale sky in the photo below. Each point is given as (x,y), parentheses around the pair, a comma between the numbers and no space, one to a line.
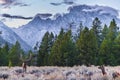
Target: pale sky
(29,8)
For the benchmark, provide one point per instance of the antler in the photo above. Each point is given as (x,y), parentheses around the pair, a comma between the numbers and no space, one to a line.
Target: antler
(25,60)
(21,58)
(30,58)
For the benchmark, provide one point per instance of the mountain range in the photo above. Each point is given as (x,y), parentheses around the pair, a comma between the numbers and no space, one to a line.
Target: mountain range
(31,33)
(9,36)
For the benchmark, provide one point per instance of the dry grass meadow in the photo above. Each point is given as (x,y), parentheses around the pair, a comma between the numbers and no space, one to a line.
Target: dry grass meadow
(58,73)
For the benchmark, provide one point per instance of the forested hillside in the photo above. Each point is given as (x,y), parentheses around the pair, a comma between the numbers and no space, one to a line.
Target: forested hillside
(90,46)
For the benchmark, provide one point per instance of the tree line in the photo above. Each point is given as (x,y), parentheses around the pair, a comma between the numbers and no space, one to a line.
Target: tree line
(98,45)
(10,56)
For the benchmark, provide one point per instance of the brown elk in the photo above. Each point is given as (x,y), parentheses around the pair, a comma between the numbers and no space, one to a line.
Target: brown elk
(102,69)
(25,61)
(115,75)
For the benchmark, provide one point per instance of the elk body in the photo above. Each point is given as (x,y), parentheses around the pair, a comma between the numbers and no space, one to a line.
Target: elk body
(25,61)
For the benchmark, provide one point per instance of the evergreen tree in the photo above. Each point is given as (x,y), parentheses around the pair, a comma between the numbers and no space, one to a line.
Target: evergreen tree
(82,45)
(96,25)
(104,52)
(56,55)
(113,30)
(107,46)
(4,55)
(79,30)
(87,47)
(63,52)
(44,49)
(51,41)
(93,48)
(14,54)
(68,49)
(103,36)
(104,32)
(117,49)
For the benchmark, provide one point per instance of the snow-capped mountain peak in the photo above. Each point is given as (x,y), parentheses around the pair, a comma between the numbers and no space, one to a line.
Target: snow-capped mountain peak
(35,29)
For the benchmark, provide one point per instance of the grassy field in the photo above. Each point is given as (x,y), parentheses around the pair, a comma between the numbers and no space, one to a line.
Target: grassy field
(58,73)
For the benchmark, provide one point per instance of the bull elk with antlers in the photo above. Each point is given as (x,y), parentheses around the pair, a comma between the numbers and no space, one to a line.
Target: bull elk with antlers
(25,61)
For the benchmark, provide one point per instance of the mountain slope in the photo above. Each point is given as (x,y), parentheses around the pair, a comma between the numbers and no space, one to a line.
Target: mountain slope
(10,36)
(35,29)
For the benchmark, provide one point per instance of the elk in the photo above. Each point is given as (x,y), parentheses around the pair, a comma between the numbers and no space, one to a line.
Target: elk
(102,69)
(105,76)
(115,75)
(25,61)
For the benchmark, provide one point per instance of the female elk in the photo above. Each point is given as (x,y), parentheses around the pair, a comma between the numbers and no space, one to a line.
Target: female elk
(102,69)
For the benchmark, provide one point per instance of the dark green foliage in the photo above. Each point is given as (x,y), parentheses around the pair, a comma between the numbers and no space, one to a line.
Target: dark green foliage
(4,55)
(79,30)
(68,50)
(117,49)
(96,26)
(87,47)
(9,56)
(44,49)
(107,49)
(56,56)
(103,36)
(14,54)
(104,32)
(63,52)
